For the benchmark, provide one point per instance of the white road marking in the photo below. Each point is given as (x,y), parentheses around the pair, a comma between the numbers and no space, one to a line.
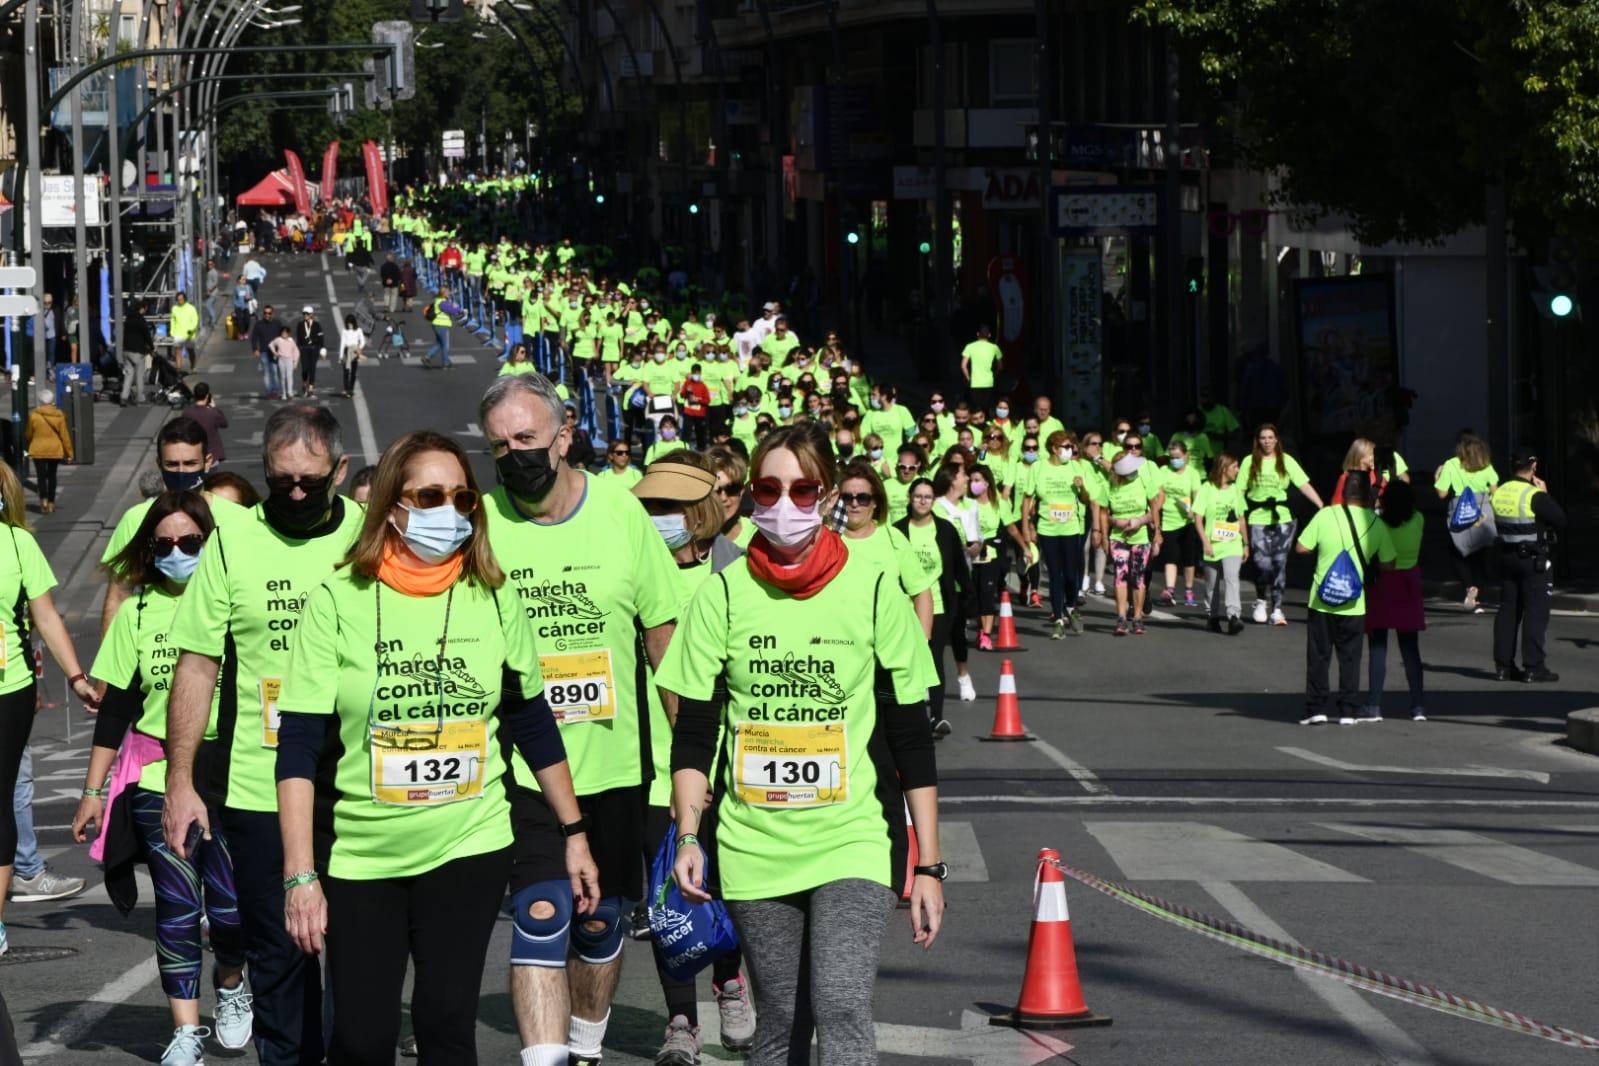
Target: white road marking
(1263,801)
(219,368)
(363,414)
(1193,851)
(87,1014)
(1079,773)
(1432,771)
(1394,1046)
(958,842)
(1480,854)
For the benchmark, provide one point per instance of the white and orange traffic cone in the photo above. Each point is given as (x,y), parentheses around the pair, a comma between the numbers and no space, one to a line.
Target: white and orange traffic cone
(1007,708)
(1052,996)
(1005,636)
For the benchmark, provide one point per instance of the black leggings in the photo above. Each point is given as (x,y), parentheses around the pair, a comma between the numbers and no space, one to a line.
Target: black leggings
(16,724)
(441,920)
(957,637)
(989,575)
(45,471)
(940,637)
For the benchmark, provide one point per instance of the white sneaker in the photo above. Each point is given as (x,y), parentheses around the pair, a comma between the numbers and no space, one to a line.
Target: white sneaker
(235,1017)
(1099,588)
(1418,715)
(736,1015)
(1260,613)
(1313,719)
(1277,618)
(44,886)
(968,691)
(187,1047)
(1346,720)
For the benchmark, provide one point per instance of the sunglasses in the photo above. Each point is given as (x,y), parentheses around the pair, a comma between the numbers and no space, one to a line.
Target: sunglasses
(190,543)
(1135,447)
(804,492)
(994,439)
(732,488)
(904,468)
(621,451)
(857,499)
(1092,443)
(929,421)
(311,486)
(430,496)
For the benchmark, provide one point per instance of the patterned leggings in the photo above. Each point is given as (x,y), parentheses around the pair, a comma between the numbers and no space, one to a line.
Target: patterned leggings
(178,890)
(1268,550)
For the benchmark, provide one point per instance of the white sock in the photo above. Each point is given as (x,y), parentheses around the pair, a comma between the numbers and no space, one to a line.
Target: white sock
(585,1037)
(545,1055)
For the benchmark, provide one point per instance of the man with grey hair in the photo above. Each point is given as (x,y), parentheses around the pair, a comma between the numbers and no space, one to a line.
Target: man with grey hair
(585,560)
(239,614)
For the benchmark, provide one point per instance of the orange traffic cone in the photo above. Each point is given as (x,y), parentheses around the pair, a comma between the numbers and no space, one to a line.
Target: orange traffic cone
(912,857)
(1005,639)
(1007,709)
(1052,996)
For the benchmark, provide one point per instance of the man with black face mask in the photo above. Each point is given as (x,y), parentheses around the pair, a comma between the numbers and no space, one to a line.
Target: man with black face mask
(584,559)
(237,619)
(181,451)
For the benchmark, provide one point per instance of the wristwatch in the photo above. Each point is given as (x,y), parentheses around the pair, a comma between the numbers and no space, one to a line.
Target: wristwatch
(939,870)
(572,829)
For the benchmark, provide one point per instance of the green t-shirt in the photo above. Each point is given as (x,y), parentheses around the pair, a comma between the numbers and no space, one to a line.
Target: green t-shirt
(894,424)
(1455,479)
(223,511)
(887,552)
(981,356)
(510,369)
(1270,485)
(1180,487)
(799,806)
(899,498)
(611,343)
(584,580)
(688,580)
(251,584)
(420,773)
(1220,421)
(1328,534)
(1222,510)
(1130,501)
(1063,508)
(1407,542)
(627,477)
(24,575)
(923,541)
(662,378)
(663,447)
(139,646)
(779,347)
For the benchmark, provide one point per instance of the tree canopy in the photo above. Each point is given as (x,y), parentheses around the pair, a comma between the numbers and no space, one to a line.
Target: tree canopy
(1399,113)
(481,76)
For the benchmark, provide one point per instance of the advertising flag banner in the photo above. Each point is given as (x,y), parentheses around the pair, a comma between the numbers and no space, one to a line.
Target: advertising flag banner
(302,194)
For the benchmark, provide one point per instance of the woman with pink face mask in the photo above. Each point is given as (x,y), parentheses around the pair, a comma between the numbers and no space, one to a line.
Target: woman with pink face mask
(798,655)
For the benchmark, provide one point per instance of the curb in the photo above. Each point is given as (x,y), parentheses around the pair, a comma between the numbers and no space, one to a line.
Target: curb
(1452,591)
(1582,730)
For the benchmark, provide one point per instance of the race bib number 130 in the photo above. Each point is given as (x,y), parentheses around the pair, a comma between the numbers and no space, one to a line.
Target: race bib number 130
(789,766)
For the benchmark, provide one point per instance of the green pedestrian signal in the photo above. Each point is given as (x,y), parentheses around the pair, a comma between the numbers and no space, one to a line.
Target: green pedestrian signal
(853,237)
(926,247)
(1561,305)
(693,209)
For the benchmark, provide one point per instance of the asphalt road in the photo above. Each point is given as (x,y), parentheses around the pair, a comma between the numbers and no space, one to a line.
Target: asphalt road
(1461,853)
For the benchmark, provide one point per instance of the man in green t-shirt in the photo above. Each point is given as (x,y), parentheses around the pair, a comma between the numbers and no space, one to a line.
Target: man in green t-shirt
(584,559)
(1338,628)
(979,360)
(239,614)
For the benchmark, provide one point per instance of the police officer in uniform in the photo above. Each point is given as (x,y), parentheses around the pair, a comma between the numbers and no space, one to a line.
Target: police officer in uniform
(1524,512)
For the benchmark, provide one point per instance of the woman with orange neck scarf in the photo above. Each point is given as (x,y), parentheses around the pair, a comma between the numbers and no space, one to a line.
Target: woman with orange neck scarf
(411,659)
(826,673)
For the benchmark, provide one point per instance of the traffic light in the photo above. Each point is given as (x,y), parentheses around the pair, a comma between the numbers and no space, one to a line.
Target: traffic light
(599,198)
(1562,277)
(924,233)
(694,209)
(853,236)
(1194,275)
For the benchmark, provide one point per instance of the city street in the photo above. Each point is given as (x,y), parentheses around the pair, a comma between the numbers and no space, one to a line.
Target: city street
(1460,853)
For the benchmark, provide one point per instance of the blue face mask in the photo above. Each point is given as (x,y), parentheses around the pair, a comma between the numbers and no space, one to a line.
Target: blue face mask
(673,529)
(877,405)
(784,412)
(1029,457)
(435,533)
(875,454)
(178,566)
(740,410)
(182,480)
(1178,462)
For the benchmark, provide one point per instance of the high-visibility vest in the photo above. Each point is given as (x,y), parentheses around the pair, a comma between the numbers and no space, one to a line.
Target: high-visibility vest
(1513,517)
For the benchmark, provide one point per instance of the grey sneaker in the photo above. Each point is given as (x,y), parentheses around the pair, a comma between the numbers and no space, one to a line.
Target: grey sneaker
(682,1046)
(235,1017)
(737,1015)
(187,1047)
(44,886)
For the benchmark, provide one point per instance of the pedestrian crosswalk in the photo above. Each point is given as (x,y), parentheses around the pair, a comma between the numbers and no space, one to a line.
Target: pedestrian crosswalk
(1331,852)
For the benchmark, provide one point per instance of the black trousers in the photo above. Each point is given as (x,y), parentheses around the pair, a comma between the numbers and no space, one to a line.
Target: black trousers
(45,471)
(441,921)
(1523,607)
(286,982)
(1329,636)
(16,724)
(942,624)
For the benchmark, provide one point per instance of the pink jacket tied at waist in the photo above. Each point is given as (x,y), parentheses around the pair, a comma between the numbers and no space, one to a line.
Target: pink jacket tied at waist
(138,751)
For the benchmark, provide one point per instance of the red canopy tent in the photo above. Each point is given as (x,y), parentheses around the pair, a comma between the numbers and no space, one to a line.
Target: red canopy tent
(274,190)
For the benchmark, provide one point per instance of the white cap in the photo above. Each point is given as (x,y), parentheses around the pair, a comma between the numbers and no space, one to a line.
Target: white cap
(307,310)
(1127,464)
(768,306)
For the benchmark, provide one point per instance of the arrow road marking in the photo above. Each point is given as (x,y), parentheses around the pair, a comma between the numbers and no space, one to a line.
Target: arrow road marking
(1446,771)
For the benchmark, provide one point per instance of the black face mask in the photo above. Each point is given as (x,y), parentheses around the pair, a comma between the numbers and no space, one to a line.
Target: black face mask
(527,472)
(182,480)
(294,517)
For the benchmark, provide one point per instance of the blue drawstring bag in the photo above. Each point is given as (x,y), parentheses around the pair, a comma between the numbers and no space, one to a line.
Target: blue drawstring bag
(690,935)
(1466,512)
(1342,583)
